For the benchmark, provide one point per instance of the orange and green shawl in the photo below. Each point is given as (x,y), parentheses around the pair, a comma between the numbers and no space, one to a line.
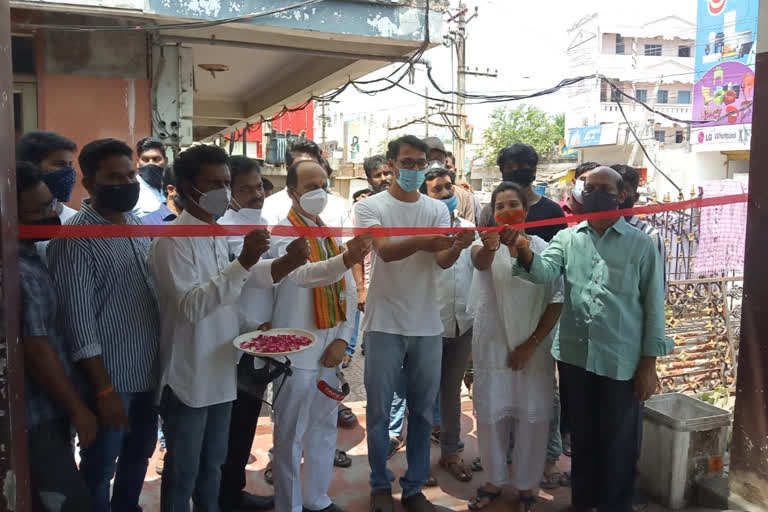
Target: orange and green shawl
(330,303)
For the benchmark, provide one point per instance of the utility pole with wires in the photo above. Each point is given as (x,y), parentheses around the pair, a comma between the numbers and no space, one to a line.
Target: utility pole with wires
(458,39)
(324,121)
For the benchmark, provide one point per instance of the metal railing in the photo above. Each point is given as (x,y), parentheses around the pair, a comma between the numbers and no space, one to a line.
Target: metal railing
(703,313)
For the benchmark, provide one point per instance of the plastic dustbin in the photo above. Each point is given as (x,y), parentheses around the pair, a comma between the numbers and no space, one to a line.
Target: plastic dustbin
(684,439)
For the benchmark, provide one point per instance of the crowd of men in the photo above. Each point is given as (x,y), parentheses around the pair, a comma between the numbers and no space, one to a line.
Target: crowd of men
(117,331)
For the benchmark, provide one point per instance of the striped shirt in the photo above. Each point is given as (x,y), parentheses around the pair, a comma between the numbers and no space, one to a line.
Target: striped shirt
(652,232)
(107,302)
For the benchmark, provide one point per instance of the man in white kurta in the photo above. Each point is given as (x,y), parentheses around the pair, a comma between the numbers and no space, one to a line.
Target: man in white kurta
(255,312)
(198,290)
(305,418)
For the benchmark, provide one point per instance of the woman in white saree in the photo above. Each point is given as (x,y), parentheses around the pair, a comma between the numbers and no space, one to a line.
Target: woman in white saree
(514,371)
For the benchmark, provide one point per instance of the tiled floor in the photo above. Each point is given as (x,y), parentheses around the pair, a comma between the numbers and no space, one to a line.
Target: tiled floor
(350,486)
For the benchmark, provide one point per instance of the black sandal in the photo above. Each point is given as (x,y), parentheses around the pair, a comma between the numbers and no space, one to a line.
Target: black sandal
(476,465)
(480,495)
(528,502)
(341,459)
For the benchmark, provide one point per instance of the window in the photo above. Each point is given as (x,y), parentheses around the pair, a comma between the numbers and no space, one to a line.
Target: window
(619,45)
(23,54)
(615,95)
(642,95)
(662,96)
(684,97)
(683,51)
(659,135)
(653,50)
(678,137)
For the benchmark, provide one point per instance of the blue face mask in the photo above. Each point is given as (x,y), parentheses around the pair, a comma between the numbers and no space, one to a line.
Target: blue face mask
(61,182)
(410,180)
(451,203)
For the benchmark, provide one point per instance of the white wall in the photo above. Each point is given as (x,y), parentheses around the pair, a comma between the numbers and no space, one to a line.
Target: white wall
(689,170)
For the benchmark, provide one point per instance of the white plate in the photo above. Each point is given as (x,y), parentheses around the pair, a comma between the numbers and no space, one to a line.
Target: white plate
(273,332)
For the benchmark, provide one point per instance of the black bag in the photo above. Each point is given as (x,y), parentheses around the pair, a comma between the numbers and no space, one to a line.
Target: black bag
(253,381)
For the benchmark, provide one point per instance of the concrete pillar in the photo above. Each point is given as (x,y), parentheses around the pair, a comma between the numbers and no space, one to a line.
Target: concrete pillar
(14,473)
(749,453)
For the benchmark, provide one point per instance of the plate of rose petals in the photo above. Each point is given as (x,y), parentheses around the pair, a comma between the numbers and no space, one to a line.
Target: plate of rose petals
(275,342)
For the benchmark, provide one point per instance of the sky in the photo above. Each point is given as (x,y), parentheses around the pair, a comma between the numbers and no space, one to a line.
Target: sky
(524,41)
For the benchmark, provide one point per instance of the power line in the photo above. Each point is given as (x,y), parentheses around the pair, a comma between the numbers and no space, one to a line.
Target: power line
(642,147)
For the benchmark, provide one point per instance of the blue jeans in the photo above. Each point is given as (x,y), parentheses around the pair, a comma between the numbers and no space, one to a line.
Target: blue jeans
(160,435)
(122,455)
(353,341)
(397,413)
(197,440)
(418,358)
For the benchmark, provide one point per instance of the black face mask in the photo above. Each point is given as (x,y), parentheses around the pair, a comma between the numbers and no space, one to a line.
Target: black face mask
(153,175)
(523,177)
(599,201)
(48,221)
(119,198)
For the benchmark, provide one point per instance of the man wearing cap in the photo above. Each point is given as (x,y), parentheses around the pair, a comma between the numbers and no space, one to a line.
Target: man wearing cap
(468,207)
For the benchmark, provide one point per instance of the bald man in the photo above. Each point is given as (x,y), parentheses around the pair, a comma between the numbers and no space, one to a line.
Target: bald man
(611,332)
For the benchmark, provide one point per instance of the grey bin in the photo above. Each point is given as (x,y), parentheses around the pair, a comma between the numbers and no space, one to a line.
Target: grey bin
(681,437)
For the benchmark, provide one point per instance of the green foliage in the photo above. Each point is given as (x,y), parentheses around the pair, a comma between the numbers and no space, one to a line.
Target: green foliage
(524,123)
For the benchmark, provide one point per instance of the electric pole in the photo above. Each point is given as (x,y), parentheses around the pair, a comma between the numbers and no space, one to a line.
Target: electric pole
(426,111)
(458,38)
(322,124)
(324,121)
(459,144)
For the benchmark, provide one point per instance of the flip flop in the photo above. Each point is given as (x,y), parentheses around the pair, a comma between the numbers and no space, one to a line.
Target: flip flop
(347,418)
(456,467)
(551,481)
(481,495)
(476,465)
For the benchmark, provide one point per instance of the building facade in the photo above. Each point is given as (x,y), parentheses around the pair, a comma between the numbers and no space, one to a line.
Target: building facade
(188,72)
(652,60)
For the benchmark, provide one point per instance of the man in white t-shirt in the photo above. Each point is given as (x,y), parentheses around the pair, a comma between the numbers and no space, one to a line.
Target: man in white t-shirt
(402,325)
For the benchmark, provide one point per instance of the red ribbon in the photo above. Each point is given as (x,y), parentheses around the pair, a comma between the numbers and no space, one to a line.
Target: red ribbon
(195,230)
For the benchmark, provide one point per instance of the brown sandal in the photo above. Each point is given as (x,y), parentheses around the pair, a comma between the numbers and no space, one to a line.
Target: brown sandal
(456,467)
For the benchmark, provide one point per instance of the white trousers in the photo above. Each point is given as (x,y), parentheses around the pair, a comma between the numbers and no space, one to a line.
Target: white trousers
(305,422)
(528,454)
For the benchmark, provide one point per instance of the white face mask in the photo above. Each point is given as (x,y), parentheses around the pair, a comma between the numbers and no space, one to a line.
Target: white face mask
(250,215)
(578,190)
(215,201)
(314,202)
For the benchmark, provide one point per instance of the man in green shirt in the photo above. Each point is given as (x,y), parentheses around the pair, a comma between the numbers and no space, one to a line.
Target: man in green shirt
(611,331)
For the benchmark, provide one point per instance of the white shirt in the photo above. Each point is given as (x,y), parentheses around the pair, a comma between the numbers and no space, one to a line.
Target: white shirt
(401,296)
(42,247)
(198,291)
(256,302)
(276,208)
(150,199)
(453,286)
(294,302)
